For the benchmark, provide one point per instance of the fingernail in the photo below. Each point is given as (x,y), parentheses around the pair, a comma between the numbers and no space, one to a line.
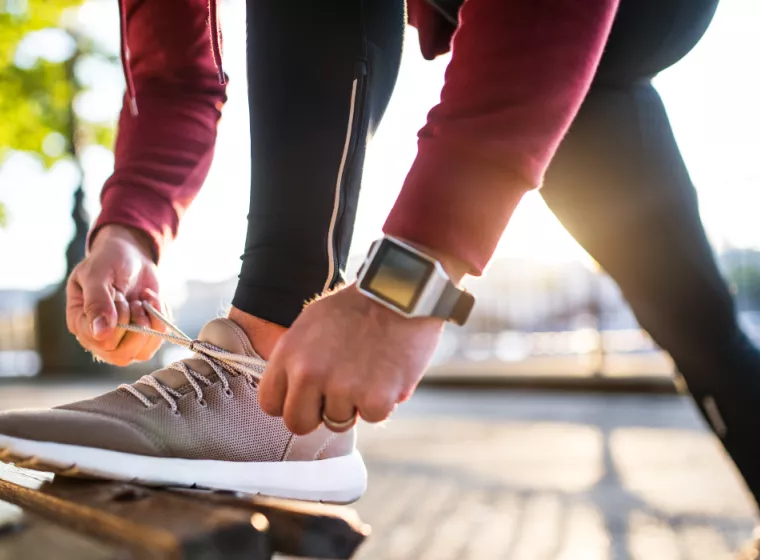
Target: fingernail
(99,325)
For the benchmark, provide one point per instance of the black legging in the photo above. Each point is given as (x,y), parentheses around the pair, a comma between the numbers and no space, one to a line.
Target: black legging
(617,183)
(620,187)
(319,79)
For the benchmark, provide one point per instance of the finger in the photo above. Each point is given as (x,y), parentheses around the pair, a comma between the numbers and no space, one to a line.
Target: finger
(153,343)
(339,407)
(273,387)
(99,306)
(151,297)
(84,337)
(132,343)
(105,350)
(109,350)
(74,304)
(405,395)
(105,345)
(302,412)
(122,317)
(377,406)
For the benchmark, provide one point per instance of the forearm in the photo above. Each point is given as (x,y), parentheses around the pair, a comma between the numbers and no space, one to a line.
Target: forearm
(162,159)
(135,237)
(518,74)
(163,153)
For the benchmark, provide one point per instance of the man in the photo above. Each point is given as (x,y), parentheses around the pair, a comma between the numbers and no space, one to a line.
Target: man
(518,74)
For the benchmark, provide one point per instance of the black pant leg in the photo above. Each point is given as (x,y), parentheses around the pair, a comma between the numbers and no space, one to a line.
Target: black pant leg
(320,76)
(619,185)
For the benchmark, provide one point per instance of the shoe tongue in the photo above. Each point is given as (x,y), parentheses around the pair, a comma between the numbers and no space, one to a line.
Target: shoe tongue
(227,335)
(222,333)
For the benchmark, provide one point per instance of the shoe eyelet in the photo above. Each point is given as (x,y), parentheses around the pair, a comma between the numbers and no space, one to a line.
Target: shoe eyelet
(176,413)
(228,392)
(202,402)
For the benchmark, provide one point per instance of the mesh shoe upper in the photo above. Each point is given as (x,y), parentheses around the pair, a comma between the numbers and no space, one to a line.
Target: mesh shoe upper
(223,426)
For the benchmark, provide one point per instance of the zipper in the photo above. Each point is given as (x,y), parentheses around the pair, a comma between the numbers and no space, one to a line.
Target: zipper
(358,130)
(449,9)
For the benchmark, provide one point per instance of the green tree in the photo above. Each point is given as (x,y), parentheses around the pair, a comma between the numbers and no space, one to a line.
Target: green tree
(37,94)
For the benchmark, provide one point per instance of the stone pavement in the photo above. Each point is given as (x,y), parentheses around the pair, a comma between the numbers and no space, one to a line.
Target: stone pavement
(495,474)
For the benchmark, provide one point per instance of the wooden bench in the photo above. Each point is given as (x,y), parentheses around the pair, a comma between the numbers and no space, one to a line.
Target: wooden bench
(46,517)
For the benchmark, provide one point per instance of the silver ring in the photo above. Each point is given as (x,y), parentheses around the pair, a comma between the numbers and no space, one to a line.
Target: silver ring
(333,426)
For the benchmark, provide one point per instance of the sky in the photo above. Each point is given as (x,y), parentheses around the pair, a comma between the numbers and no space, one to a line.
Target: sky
(711,97)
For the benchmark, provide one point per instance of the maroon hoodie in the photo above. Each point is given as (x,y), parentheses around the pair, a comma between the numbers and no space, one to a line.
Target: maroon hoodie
(518,73)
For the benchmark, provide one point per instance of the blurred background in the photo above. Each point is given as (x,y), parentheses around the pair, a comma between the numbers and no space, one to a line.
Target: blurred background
(547,317)
(544,307)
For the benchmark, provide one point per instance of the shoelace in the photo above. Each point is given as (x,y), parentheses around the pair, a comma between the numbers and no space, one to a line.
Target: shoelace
(221,361)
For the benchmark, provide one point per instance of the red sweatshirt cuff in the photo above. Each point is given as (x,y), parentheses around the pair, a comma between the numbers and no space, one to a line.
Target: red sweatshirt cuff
(148,212)
(456,202)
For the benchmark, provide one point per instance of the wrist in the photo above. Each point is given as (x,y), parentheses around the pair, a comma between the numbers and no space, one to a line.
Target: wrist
(135,237)
(378,313)
(415,281)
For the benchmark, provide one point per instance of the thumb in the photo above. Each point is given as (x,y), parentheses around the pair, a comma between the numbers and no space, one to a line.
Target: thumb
(99,306)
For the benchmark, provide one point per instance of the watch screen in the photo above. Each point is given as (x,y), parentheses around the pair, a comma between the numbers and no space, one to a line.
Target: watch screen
(397,276)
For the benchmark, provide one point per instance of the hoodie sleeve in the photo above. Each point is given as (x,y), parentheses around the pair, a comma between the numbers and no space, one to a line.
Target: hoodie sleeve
(518,74)
(163,153)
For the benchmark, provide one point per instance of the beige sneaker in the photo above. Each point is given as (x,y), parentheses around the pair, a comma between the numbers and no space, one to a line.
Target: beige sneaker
(196,423)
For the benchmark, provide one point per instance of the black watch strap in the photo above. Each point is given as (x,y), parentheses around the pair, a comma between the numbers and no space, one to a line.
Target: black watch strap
(455,305)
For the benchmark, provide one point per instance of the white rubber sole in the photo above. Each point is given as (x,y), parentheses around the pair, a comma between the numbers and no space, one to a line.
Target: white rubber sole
(340,480)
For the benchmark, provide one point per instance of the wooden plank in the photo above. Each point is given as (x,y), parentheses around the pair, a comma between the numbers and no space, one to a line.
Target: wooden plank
(187,523)
(154,523)
(302,529)
(27,536)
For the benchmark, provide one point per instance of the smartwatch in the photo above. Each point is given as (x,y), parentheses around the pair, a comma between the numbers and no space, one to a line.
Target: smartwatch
(411,283)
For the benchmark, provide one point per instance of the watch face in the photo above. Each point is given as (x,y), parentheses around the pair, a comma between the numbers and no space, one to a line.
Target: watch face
(397,276)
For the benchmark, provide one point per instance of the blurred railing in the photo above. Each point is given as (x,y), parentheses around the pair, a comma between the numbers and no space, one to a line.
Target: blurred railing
(18,354)
(583,353)
(532,320)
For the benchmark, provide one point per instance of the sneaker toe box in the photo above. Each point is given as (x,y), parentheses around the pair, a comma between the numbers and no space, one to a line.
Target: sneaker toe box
(71,427)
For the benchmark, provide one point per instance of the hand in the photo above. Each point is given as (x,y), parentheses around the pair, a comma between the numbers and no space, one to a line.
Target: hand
(351,355)
(108,287)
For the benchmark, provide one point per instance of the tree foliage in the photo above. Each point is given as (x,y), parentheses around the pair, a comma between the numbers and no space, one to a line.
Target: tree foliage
(35,100)
(37,93)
